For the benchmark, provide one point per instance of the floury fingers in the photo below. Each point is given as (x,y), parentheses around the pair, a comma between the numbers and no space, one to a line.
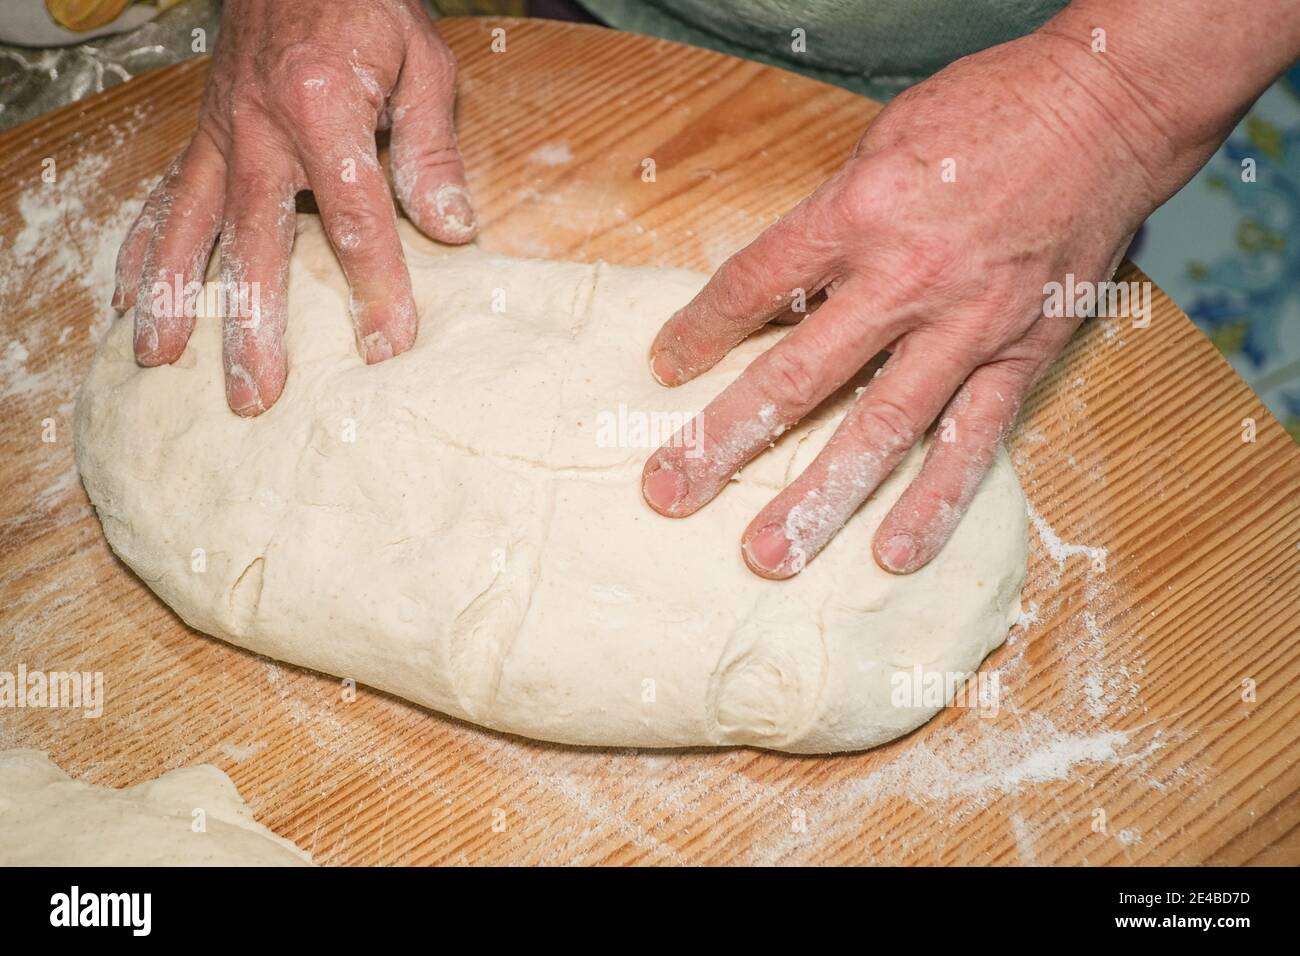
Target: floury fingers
(237,300)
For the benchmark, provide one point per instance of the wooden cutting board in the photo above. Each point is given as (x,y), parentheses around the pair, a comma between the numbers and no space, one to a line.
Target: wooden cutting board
(1164,573)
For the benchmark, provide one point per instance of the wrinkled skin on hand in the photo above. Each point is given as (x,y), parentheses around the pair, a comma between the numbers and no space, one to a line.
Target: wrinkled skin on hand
(948,276)
(295,95)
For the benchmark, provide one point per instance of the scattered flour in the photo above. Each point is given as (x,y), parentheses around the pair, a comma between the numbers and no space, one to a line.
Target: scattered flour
(59,254)
(551,154)
(239,753)
(60,251)
(1059,550)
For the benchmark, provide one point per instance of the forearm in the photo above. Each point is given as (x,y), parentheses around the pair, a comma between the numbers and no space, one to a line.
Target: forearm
(1176,75)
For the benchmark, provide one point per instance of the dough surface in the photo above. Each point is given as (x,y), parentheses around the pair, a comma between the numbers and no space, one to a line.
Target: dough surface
(449,526)
(49,819)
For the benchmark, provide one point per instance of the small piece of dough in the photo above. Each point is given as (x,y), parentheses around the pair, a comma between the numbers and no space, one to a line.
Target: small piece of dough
(49,819)
(463,525)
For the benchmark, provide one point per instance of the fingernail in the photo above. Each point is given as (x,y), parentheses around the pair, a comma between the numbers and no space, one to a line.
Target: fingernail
(768,548)
(376,348)
(242,394)
(898,553)
(451,203)
(664,488)
(661,367)
(145,343)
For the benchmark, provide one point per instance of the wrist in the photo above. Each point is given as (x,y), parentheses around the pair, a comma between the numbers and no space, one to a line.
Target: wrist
(1174,78)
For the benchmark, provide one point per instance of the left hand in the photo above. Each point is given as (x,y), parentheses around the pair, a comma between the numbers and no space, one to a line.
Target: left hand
(945,274)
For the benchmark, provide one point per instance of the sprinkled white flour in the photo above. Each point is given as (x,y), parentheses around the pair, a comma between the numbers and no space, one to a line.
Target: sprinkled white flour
(60,247)
(239,753)
(551,154)
(59,251)
(1060,551)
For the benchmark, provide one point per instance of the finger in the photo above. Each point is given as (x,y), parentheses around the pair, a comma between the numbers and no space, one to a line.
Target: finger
(428,171)
(788,261)
(130,256)
(971,427)
(888,418)
(177,255)
(256,238)
(777,390)
(358,213)
(793,314)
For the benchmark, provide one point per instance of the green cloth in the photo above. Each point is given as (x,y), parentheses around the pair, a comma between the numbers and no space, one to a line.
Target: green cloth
(873,47)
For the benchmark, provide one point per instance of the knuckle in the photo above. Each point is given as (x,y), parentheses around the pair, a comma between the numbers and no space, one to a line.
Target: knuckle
(931,505)
(1005,379)
(308,111)
(962,435)
(293,61)
(731,291)
(858,199)
(355,226)
(431,156)
(306,82)
(882,421)
(983,415)
(789,380)
(1012,375)
(982,430)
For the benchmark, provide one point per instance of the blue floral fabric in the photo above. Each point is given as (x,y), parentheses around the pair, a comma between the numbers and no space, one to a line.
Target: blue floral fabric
(1227,250)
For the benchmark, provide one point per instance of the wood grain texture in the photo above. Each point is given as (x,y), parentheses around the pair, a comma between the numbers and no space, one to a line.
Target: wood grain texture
(1165,567)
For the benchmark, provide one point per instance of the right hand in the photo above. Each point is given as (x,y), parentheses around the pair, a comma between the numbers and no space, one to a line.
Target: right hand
(295,95)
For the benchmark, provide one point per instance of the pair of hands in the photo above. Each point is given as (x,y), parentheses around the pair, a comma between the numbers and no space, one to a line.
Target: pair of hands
(933,241)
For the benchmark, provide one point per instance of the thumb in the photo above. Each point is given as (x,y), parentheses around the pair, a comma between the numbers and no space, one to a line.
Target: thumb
(428,172)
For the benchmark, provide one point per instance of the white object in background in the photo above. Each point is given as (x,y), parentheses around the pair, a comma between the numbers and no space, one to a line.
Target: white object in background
(463,525)
(49,819)
(28,23)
